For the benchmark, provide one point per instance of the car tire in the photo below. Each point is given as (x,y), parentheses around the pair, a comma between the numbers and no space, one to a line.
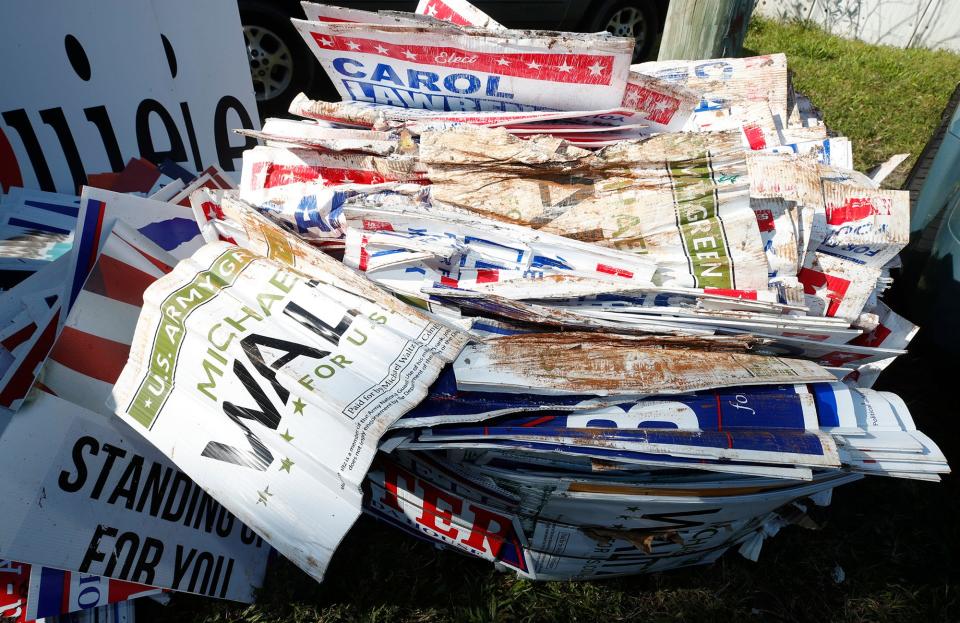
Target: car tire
(639,19)
(281,65)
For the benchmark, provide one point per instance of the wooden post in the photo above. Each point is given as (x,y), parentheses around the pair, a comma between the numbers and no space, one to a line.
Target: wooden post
(704,29)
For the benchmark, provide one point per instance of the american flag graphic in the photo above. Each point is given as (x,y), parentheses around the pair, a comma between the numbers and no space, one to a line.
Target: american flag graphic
(92,349)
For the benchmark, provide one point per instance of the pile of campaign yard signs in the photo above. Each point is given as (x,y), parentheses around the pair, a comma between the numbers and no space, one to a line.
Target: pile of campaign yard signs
(511,295)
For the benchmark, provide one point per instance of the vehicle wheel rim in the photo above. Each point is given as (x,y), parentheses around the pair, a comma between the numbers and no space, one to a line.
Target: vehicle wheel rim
(629,22)
(271,64)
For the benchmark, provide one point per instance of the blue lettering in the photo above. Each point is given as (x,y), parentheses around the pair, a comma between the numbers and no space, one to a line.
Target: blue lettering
(338,64)
(426,79)
(382,73)
(473,83)
(493,88)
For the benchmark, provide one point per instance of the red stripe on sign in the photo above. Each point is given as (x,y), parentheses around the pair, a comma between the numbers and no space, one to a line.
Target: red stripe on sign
(283,174)
(754,134)
(163,266)
(447,281)
(659,107)
(440,10)
(828,286)
(853,209)
(90,355)
(18,338)
(65,595)
(613,270)
(371,225)
(874,338)
(750,295)
(23,378)
(364,256)
(719,412)
(839,358)
(539,421)
(118,281)
(764,219)
(488,275)
(570,68)
(9,169)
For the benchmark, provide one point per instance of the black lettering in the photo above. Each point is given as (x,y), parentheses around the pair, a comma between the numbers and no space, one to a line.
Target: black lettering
(226,153)
(180,492)
(129,483)
(146,569)
(55,118)
(131,541)
(226,579)
(215,580)
(258,457)
(251,347)
(72,486)
(97,115)
(191,136)
(180,565)
(204,561)
(153,488)
(188,516)
(93,549)
(321,328)
(113,453)
(224,522)
(206,514)
(145,143)
(19,121)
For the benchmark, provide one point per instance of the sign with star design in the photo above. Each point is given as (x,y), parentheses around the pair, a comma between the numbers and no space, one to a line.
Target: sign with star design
(452,69)
(262,383)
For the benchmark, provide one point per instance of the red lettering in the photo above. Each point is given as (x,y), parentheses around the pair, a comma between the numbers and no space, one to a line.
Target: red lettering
(431,513)
(391,478)
(480,534)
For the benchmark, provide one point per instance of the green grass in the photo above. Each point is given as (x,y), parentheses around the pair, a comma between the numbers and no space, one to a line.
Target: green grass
(898,542)
(887,100)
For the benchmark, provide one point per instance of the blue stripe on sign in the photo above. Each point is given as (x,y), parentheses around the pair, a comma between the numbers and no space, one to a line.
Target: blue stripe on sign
(488,265)
(50,595)
(387,252)
(53,207)
(38,226)
(489,328)
(89,234)
(826,151)
(416,269)
(827,413)
(171,233)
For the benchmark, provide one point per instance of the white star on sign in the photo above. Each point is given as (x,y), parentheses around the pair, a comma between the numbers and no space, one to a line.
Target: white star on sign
(346,179)
(409,54)
(381,49)
(595,68)
(564,67)
(147,403)
(533,65)
(661,105)
(326,41)
(821,291)
(502,61)
(353,45)
(431,10)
